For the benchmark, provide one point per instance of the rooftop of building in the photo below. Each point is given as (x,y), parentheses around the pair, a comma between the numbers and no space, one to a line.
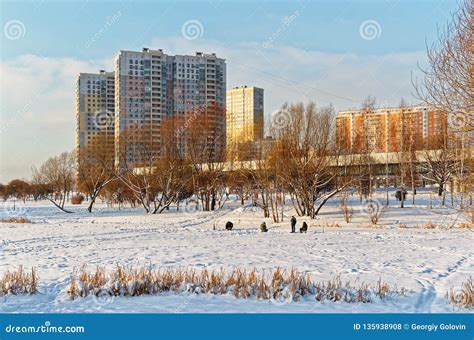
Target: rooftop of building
(383,110)
(99,73)
(160,52)
(245,87)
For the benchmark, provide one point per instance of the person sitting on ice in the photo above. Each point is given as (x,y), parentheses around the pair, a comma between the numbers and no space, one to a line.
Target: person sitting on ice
(229,225)
(304,228)
(263,227)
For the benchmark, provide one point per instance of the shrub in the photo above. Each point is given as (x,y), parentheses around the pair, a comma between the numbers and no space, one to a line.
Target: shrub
(370,225)
(464,297)
(276,285)
(347,210)
(429,225)
(331,225)
(375,212)
(15,220)
(77,199)
(19,282)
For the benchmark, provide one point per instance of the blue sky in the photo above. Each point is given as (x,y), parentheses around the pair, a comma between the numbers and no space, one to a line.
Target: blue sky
(60,28)
(332,52)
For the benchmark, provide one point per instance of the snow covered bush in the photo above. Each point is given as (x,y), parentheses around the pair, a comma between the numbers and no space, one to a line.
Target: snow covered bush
(463,297)
(276,285)
(334,290)
(142,281)
(19,282)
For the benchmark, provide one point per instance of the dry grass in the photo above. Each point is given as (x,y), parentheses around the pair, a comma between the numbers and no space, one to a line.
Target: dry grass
(330,225)
(142,281)
(370,226)
(19,282)
(430,225)
(402,226)
(334,290)
(465,225)
(15,220)
(278,284)
(463,297)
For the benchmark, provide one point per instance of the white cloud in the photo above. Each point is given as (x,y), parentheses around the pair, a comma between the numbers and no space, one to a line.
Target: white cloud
(38,94)
(37,110)
(286,72)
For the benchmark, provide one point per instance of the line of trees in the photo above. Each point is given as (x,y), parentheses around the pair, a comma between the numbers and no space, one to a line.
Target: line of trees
(302,162)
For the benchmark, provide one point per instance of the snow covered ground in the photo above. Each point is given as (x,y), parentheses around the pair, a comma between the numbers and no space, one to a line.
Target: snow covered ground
(425,261)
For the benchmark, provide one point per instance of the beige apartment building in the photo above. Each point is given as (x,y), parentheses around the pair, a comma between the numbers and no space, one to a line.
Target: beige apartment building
(95,109)
(244,111)
(389,129)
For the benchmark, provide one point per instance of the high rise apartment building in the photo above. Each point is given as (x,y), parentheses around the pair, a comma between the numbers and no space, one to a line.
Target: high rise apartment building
(389,129)
(95,109)
(152,87)
(244,114)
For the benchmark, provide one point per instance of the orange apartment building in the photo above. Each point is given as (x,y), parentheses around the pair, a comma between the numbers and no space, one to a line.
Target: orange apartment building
(389,129)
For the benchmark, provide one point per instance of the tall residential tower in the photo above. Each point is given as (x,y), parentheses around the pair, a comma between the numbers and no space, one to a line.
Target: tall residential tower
(95,109)
(152,87)
(244,115)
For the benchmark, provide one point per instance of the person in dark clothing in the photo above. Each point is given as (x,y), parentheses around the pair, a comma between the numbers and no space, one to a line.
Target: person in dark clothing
(229,225)
(304,228)
(293,223)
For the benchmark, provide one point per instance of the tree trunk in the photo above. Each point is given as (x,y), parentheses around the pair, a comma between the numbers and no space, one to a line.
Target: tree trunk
(213,201)
(323,202)
(58,206)
(402,197)
(89,208)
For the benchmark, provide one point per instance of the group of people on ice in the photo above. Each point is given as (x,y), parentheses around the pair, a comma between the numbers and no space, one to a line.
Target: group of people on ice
(263,227)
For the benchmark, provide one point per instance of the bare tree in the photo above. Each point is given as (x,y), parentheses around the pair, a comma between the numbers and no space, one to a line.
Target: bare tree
(347,210)
(172,172)
(448,81)
(463,170)
(96,167)
(269,195)
(439,164)
(240,181)
(406,145)
(156,175)
(58,173)
(306,157)
(363,147)
(205,151)
(137,165)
